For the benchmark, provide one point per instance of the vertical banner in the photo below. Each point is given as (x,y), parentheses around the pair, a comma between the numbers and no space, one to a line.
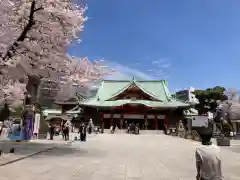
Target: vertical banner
(29,128)
(36,125)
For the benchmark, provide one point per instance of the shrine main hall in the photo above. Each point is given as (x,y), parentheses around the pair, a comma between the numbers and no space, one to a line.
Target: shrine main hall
(148,103)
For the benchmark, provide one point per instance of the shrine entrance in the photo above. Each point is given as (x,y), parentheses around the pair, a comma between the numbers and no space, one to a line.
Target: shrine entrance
(145,121)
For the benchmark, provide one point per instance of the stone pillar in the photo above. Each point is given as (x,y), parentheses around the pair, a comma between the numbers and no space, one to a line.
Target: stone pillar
(189,125)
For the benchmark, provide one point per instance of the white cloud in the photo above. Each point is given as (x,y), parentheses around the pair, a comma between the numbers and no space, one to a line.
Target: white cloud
(155,62)
(157,69)
(167,65)
(127,73)
(159,61)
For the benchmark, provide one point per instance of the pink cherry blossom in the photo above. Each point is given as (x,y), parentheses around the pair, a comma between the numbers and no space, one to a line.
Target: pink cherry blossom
(34,40)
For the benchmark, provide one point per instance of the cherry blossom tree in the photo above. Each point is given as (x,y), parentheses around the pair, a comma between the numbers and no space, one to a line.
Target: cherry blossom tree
(34,40)
(232,94)
(228,111)
(34,36)
(81,73)
(13,93)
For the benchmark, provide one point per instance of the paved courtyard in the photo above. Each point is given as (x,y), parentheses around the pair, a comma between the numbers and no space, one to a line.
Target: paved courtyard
(119,157)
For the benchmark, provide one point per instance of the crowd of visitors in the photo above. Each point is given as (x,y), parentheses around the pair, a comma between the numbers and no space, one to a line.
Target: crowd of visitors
(64,130)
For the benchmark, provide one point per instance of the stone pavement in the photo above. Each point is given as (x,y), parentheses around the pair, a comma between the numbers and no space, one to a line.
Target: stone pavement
(24,149)
(119,157)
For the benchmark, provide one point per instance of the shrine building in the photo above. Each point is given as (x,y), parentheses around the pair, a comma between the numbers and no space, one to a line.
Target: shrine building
(148,103)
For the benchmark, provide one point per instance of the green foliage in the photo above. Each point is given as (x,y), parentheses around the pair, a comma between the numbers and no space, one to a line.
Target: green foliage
(17,111)
(208,99)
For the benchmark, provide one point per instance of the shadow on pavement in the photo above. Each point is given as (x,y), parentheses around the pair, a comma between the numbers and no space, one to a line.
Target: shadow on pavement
(66,150)
(24,148)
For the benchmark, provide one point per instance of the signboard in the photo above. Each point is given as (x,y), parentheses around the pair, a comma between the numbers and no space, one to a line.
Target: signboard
(15,133)
(183,95)
(200,121)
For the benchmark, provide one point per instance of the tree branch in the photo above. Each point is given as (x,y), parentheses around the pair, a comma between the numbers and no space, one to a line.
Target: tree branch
(38,9)
(26,29)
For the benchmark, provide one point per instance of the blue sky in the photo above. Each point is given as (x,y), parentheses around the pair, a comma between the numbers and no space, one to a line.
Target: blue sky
(188,42)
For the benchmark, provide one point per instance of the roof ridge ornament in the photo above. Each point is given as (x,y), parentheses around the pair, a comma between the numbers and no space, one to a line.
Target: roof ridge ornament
(133,79)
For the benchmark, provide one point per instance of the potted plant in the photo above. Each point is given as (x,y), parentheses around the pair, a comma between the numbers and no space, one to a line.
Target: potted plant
(223,140)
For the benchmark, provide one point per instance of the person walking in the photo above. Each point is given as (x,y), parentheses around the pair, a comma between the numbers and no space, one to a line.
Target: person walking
(208,160)
(82,132)
(66,132)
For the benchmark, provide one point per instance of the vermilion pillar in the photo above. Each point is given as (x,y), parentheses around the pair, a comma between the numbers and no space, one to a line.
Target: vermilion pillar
(101,117)
(165,121)
(121,121)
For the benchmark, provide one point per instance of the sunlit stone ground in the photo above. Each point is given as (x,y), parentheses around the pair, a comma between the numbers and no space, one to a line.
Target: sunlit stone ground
(120,157)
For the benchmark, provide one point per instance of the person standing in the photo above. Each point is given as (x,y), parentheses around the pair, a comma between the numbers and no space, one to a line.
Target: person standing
(67,128)
(84,132)
(80,131)
(90,126)
(208,160)
(146,124)
(181,129)
(102,127)
(51,131)
(66,132)
(1,128)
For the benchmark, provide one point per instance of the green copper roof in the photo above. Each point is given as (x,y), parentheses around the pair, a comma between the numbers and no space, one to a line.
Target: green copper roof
(157,89)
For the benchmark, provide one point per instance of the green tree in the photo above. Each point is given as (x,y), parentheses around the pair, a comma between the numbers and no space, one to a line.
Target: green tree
(208,99)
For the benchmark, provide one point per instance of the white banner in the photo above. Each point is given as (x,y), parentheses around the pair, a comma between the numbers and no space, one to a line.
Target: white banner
(153,116)
(150,117)
(161,116)
(106,116)
(117,116)
(133,116)
(36,124)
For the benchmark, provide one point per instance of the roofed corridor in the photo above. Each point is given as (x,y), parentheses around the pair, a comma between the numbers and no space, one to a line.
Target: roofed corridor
(119,157)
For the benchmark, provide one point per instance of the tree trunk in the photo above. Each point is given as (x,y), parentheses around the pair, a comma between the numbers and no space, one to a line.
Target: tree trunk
(32,89)
(29,106)
(4,113)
